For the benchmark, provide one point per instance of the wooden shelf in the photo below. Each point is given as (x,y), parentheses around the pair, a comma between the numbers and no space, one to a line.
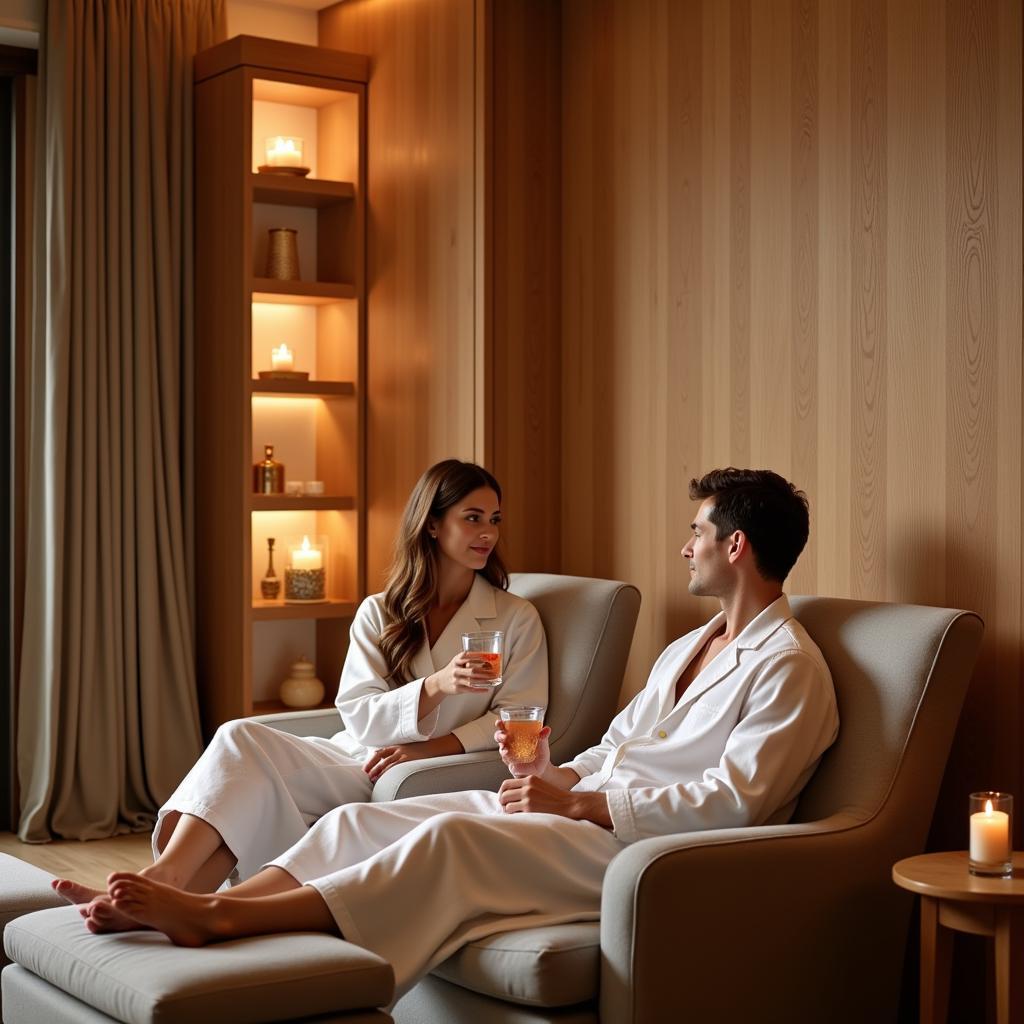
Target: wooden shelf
(301,503)
(269,55)
(264,611)
(311,192)
(300,293)
(305,388)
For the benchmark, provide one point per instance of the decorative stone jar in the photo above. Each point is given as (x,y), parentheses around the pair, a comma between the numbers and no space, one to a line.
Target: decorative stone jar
(302,689)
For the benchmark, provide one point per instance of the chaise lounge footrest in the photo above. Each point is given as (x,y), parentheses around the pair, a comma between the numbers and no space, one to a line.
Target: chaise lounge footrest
(142,978)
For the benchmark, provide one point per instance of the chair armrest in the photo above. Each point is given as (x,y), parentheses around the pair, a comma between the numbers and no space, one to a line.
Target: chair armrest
(480,770)
(451,774)
(323,722)
(782,904)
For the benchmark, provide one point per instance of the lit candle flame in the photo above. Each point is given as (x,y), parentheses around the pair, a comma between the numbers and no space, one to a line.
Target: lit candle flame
(305,547)
(988,806)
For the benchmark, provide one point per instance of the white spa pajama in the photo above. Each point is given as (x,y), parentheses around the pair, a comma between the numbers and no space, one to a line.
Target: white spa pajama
(261,789)
(413,880)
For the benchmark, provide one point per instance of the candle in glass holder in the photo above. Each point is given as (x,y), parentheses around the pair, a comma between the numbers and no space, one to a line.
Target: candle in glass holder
(281,358)
(284,151)
(305,579)
(990,834)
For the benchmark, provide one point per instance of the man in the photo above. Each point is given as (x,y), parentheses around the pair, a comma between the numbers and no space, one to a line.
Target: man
(732,722)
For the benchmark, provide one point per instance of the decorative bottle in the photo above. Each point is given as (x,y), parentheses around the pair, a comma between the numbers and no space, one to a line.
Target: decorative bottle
(270,585)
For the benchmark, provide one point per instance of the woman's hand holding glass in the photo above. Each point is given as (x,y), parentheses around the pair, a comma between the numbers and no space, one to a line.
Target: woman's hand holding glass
(463,674)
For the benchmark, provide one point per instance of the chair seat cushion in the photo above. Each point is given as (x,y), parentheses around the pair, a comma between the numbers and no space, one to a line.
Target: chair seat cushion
(140,977)
(554,966)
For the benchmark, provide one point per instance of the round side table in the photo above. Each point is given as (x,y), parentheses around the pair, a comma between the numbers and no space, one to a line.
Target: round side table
(954,899)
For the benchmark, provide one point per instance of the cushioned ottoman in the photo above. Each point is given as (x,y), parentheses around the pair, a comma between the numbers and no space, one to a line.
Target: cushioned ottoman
(23,888)
(63,973)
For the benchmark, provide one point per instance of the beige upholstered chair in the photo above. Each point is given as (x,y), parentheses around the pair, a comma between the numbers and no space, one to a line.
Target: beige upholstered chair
(62,974)
(589,625)
(798,923)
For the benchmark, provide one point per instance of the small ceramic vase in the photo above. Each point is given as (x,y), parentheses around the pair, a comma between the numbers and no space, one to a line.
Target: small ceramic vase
(302,689)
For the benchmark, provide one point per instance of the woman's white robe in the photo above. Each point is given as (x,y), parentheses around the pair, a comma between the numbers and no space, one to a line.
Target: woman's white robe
(416,879)
(261,789)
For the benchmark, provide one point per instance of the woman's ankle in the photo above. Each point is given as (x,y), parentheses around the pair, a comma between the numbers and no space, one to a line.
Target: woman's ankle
(164,873)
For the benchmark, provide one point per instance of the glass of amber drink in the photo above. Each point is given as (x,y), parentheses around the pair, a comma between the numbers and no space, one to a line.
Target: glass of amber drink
(487,648)
(523,724)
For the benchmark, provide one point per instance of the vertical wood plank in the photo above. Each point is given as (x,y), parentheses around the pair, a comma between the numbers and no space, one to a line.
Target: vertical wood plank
(804,280)
(771,396)
(716,437)
(685,352)
(525,253)
(915,288)
(588,411)
(739,229)
(831,513)
(868,315)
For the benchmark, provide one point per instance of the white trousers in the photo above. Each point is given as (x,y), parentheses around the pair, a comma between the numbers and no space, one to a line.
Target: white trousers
(413,880)
(261,789)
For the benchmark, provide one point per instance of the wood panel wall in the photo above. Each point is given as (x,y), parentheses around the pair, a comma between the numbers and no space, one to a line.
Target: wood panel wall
(421,273)
(792,238)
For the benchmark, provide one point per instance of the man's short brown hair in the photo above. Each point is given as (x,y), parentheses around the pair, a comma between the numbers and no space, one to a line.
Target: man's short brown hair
(768,509)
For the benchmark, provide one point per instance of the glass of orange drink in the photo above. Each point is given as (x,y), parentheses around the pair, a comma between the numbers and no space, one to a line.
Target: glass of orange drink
(487,647)
(523,724)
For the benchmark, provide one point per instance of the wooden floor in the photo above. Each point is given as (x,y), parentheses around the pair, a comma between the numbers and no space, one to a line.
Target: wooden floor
(87,862)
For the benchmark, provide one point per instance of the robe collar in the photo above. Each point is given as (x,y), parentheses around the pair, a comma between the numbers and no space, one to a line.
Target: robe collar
(754,634)
(475,613)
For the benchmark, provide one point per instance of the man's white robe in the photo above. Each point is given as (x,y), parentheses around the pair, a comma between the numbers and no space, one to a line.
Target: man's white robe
(416,879)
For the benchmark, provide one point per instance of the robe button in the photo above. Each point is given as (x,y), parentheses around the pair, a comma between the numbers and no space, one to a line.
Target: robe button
(662,734)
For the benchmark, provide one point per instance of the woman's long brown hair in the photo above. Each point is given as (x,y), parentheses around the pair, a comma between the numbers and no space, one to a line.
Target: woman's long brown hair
(411,589)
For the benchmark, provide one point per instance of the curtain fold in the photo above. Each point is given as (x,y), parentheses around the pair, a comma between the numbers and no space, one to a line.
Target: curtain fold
(107,713)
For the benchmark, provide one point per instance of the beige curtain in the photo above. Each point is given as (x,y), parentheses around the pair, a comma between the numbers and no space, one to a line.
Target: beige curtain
(107,715)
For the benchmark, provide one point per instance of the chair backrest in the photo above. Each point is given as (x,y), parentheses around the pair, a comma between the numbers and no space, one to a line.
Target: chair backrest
(589,625)
(901,673)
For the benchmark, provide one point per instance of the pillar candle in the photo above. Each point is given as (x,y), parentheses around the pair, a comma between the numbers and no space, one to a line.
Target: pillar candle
(990,836)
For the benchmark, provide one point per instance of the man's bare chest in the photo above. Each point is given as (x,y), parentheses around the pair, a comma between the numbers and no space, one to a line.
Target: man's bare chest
(698,663)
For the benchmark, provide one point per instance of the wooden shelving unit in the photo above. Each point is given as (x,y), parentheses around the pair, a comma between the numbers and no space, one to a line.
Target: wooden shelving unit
(246,91)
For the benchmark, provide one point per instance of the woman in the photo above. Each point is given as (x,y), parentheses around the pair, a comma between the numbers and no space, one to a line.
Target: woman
(407,691)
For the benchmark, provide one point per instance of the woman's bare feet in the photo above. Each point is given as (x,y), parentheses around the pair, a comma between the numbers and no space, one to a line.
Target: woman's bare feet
(95,907)
(187,919)
(75,892)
